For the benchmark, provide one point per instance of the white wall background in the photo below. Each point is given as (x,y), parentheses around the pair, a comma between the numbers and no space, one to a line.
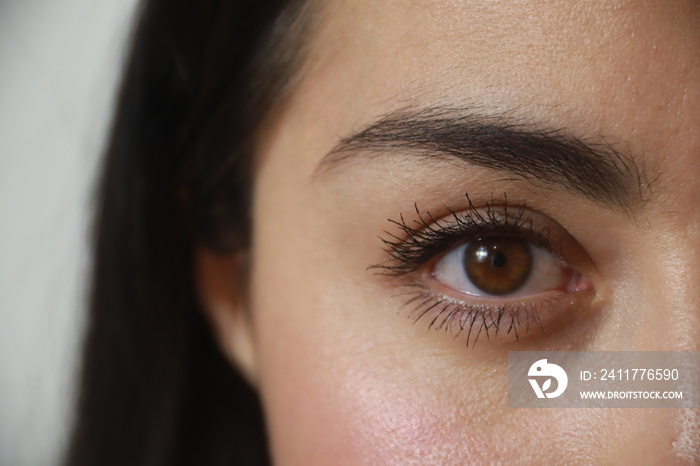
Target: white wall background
(59,61)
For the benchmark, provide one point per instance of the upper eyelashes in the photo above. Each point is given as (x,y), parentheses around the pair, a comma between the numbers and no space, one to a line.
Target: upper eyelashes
(417,243)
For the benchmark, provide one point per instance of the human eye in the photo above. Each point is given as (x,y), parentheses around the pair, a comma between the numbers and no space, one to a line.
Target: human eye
(490,269)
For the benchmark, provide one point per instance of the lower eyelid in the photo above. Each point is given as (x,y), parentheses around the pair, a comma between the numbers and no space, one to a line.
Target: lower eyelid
(516,319)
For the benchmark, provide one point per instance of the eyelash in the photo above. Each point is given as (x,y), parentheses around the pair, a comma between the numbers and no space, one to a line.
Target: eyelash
(417,244)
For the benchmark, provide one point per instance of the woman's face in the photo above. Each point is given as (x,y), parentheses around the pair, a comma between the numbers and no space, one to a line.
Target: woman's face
(529,167)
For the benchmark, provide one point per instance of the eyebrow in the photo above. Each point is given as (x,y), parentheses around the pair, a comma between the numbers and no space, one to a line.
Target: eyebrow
(550,157)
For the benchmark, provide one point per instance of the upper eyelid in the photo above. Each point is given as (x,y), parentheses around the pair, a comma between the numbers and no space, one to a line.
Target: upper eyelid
(416,245)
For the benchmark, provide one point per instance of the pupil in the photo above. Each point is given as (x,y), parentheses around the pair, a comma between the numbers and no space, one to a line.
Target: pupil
(498,265)
(499,259)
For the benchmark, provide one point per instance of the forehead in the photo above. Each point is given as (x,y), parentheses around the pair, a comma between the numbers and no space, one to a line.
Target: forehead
(624,70)
(495,46)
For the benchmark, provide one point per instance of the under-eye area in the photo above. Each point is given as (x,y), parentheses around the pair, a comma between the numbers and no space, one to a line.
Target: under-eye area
(492,269)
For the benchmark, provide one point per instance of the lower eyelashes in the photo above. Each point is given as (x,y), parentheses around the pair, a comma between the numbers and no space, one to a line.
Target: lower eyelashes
(487,270)
(476,320)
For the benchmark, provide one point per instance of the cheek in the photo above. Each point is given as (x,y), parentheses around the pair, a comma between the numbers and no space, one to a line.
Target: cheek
(341,388)
(326,410)
(331,420)
(338,384)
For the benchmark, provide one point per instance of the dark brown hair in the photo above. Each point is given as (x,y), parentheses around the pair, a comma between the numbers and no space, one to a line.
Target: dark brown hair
(201,77)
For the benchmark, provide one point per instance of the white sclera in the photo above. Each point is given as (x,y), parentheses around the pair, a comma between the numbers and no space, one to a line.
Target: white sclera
(548,273)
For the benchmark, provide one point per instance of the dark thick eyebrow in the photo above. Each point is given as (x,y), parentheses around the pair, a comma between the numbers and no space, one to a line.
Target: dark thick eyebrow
(542,156)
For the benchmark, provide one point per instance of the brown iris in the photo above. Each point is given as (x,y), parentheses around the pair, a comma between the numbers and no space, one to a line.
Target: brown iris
(498,265)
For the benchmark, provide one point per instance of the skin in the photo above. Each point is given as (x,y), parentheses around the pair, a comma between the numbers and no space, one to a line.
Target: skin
(344,375)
